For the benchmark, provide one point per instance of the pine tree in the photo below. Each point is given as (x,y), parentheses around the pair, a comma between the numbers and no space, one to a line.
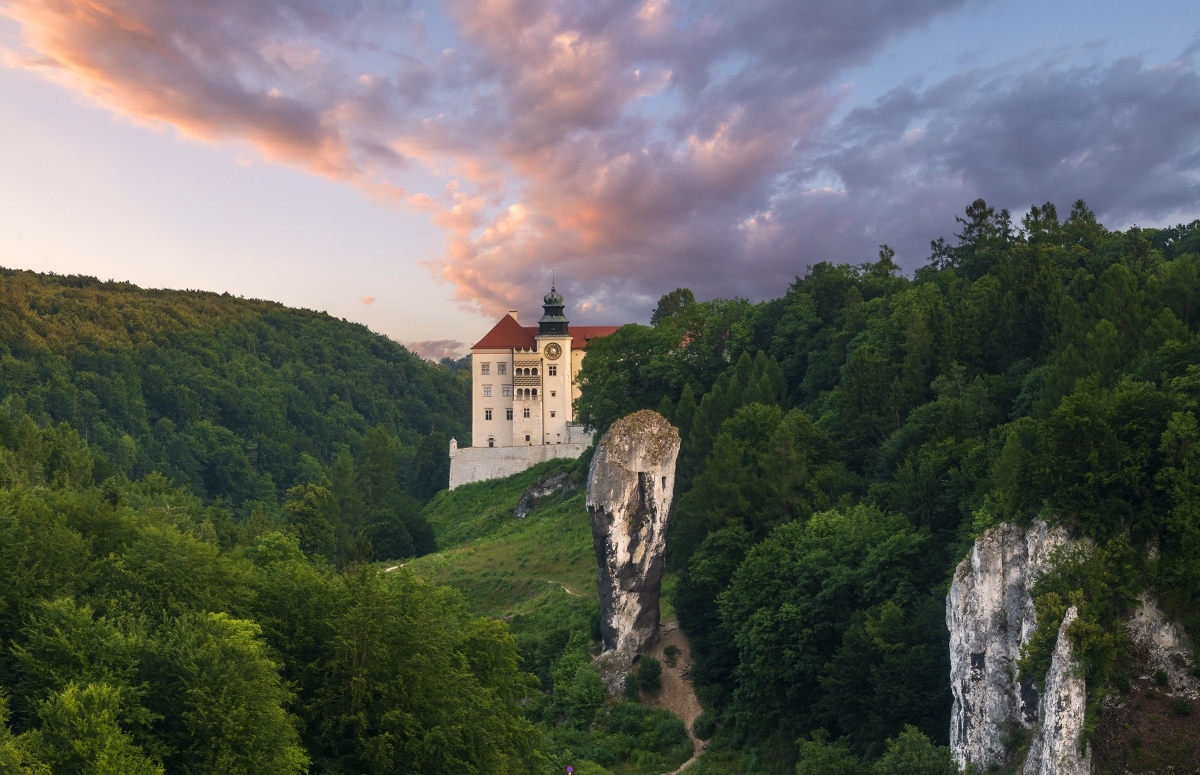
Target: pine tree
(685,411)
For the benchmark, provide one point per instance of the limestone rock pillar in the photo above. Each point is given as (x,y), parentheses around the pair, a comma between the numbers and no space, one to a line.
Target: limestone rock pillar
(990,615)
(630,485)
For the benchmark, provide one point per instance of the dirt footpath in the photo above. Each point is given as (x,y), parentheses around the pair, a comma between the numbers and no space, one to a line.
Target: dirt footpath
(677,694)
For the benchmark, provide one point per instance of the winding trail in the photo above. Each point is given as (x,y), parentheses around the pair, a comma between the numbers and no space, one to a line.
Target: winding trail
(677,694)
(566,589)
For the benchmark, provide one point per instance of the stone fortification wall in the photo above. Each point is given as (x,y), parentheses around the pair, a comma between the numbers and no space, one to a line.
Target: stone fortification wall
(475,464)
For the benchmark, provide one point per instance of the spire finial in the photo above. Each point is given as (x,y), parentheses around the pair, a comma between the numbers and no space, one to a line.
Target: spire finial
(552,288)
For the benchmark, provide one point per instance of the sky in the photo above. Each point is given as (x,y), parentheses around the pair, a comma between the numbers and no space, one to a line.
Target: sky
(422,167)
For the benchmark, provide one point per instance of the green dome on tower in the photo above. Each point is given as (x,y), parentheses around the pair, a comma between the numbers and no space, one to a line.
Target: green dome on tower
(553,321)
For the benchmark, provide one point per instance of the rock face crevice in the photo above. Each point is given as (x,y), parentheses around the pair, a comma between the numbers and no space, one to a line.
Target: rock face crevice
(990,615)
(1055,746)
(630,485)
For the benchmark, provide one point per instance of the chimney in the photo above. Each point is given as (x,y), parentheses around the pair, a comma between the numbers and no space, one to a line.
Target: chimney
(512,313)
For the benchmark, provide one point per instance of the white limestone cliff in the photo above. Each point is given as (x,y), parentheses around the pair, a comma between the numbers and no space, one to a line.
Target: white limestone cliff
(630,485)
(1055,746)
(990,615)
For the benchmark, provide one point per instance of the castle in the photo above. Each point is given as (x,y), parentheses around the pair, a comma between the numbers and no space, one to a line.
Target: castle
(522,389)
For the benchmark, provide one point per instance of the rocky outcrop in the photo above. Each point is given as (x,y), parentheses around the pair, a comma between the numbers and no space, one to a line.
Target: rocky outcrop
(1055,746)
(630,484)
(545,488)
(990,615)
(1162,649)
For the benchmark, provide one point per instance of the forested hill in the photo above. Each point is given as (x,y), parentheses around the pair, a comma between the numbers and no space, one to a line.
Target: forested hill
(844,444)
(236,399)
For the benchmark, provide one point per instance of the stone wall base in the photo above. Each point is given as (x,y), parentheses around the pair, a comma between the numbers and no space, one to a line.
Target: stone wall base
(475,464)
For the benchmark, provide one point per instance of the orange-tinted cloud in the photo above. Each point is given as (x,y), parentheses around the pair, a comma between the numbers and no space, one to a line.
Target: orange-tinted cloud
(632,145)
(367,300)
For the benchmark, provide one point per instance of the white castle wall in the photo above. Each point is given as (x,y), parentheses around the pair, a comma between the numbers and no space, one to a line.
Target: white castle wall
(475,464)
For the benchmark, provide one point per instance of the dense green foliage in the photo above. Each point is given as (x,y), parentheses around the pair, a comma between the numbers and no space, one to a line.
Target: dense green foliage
(145,633)
(844,443)
(233,398)
(182,476)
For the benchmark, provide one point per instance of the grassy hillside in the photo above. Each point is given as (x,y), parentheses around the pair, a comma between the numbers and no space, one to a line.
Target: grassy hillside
(538,574)
(234,398)
(539,566)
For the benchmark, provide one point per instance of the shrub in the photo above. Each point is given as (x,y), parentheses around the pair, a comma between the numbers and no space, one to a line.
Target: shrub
(705,725)
(670,655)
(650,674)
(631,687)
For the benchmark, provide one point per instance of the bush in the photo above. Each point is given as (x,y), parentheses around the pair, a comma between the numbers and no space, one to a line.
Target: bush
(705,725)
(818,756)
(670,655)
(911,753)
(631,687)
(650,675)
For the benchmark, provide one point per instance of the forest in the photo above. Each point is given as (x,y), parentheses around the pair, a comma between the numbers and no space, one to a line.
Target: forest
(845,443)
(196,492)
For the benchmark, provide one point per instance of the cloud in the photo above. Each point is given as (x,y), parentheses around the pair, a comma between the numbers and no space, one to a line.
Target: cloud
(633,145)
(1122,135)
(367,300)
(436,349)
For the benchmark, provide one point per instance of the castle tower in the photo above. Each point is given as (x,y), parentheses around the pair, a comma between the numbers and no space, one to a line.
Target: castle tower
(554,346)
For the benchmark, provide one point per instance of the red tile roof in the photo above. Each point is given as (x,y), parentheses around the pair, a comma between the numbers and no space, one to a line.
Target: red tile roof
(583,334)
(508,334)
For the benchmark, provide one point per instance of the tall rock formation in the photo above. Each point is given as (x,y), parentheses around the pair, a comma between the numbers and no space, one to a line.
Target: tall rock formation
(990,615)
(630,485)
(1055,746)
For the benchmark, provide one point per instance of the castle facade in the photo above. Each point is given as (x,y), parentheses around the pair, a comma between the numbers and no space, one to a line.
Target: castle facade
(523,385)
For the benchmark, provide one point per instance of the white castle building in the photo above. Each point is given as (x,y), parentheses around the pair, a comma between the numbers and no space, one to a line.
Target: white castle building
(522,390)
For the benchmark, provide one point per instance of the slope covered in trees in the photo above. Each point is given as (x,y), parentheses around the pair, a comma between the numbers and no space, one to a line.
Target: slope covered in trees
(233,398)
(843,444)
(145,632)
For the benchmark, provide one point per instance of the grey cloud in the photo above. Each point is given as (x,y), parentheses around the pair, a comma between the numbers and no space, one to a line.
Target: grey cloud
(1124,136)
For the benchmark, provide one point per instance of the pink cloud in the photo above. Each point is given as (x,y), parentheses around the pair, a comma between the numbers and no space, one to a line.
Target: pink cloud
(632,145)
(367,300)
(436,349)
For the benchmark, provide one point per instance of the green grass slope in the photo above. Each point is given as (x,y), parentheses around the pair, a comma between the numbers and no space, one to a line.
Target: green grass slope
(526,571)
(530,572)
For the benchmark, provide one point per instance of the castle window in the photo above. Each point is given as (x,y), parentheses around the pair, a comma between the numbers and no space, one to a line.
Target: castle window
(525,414)
(535,372)
(487,414)
(553,393)
(491,442)
(501,368)
(506,390)
(535,392)
(552,414)
(527,437)
(508,414)
(554,371)
(486,368)
(487,391)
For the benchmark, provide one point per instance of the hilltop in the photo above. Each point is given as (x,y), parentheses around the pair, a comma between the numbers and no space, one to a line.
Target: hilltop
(237,399)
